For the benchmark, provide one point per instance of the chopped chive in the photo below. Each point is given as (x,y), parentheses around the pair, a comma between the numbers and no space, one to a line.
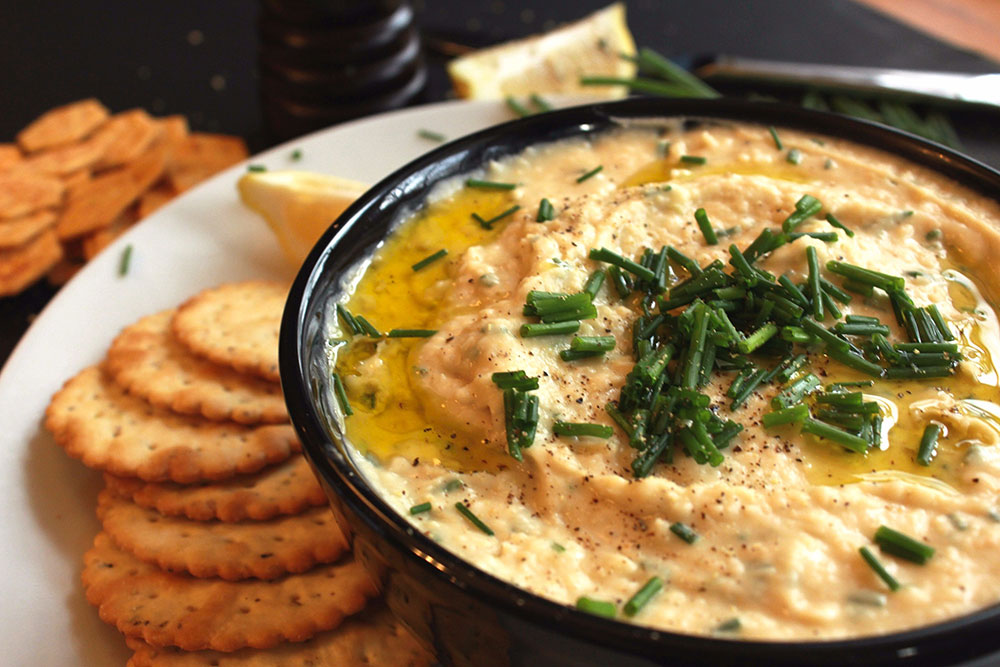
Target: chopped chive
(706,227)
(540,102)
(582,429)
(742,266)
(693,159)
(643,596)
(902,545)
(790,415)
(605,255)
(834,434)
(826,237)
(594,282)
(517,107)
(514,380)
(432,136)
(918,373)
(795,392)
(367,327)
(411,333)
(880,570)
(815,288)
(488,224)
(341,393)
(593,343)
(777,139)
(593,172)
(473,519)
(923,348)
(816,329)
(794,156)
(928,444)
(126,259)
(731,625)
(421,508)
(654,63)
(806,207)
(861,329)
(855,361)
(349,320)
(489,185)
(596,607)
(576,355)
(546,211)
(834,291)
(430,259)
(641,85)
(295,155)
(532,329)
(858,274)
(684,261)
(939,322)
(684,532)
(257,168)
(838,224)
(757,338)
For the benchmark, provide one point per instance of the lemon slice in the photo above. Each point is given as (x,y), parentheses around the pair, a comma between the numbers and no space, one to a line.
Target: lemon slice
(297,205)
(552,62)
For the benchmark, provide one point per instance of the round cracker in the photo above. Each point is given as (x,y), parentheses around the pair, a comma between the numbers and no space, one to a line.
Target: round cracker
(235,324)
(95,421)
(285,488)
(231,551)
(147,361)
(369,639)
(166,609)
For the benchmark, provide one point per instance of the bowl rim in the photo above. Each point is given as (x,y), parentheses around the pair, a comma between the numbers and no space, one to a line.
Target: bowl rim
(451,159)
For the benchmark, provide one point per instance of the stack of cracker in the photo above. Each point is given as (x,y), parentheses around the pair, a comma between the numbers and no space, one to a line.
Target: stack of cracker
(79,176)
(217,545)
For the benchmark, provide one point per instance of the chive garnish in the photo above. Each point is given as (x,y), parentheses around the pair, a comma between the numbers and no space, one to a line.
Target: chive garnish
(684,532)
(517,107)
(473,519)
(411,333)
(596,607)
(731,625)
(857,274)
(643,596)
(838,224)
(596,170)
(593,343)
(295,155)
(488,224)
(489,185)
(532,329)
(880,570)
(540,102)
(582,429)
(777,139)
(341,393)
(794,156)
(125,261)
(367,327)
(790,415)
(899,544)
(693,159)
(546,211)
(706,227)
(832,433)
(594,282)
(430,259)
(432,136)
(421,508)
(806,207)
(514,380)
(605,255)
(256,168)
(349,320)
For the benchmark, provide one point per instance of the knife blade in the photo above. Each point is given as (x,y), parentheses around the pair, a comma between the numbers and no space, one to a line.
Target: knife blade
(955,88)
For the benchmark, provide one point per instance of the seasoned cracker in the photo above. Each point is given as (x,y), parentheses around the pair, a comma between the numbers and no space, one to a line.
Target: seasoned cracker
(64,160)
(372,638)
(62,125)
(95,204)
(166,609)
(154,198)
(175,128)
(285,488)
(95,421)
(147,361)
(23,192)
(75,180)
(22,265)
(232,551)
(235,324)
(18,231)
(202,155)
(125,137)
(10,156)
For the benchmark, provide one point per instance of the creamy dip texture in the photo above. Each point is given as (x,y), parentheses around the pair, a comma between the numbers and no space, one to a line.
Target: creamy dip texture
(780,521)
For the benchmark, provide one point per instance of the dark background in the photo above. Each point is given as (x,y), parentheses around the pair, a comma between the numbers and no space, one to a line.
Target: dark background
(199,59)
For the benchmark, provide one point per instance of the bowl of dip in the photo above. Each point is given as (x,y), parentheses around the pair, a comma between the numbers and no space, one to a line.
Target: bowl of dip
(666,382)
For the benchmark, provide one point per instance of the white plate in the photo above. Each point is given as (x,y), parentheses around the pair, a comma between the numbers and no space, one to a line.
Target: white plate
(203,238)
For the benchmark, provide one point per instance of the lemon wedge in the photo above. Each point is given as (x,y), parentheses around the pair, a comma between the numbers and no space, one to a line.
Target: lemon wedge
(552,62)
(297,205)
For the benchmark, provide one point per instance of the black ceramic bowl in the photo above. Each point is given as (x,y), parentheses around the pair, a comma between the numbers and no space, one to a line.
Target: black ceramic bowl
(473,618)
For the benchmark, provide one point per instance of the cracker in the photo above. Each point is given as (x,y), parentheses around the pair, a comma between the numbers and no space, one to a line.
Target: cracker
(202,155)
(62,271)
(95,204)
(95,421)
(235,324)
(23,265)
(286,488)
(166,609)
(147,361)
(175,128)
(23,192)
(64,160)
(372,638)
(231,551)
(18,231)
(63,125)
(125,137)
(10,156)
(154,198)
